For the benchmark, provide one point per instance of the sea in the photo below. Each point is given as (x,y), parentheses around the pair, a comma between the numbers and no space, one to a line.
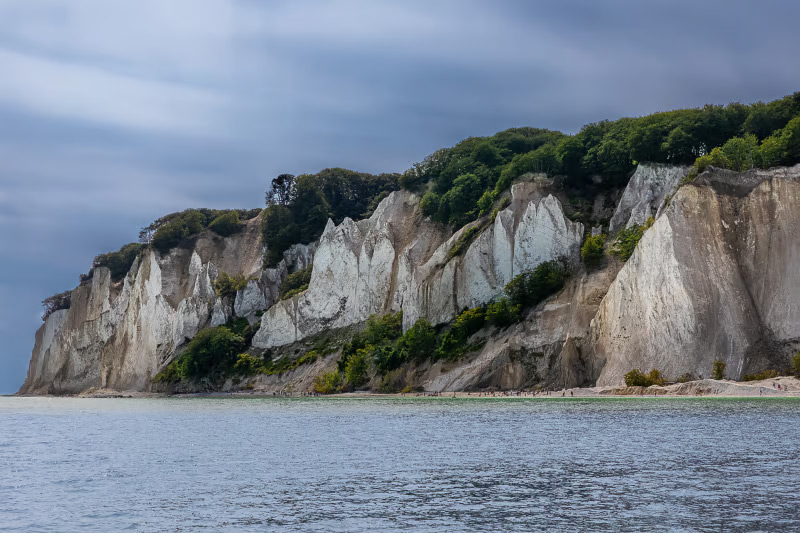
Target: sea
(399,464)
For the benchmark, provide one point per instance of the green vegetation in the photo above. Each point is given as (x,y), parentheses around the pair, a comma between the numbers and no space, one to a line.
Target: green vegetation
(298,208)
(746,152)
(211,353)
(218,353)
(635,378)
(119,262)
(226,224)
(178,229)
(226,285)
(503,313)
(795,364)
(296,282)
(686,378)
(463,241)
(765,374)
(592,250)
(465,178)
(530,288)
(59,301)
(718,369)
(628,238)
(328,383)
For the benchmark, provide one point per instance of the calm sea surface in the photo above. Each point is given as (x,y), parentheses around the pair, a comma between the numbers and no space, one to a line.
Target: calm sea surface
(428,464)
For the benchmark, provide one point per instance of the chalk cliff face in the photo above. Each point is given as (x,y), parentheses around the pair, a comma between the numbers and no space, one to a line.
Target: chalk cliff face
(119,335)
(397,260)
(716,277)
(645,195)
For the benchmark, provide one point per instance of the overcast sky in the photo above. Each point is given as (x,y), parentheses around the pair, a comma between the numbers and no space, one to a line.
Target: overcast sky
(113,113)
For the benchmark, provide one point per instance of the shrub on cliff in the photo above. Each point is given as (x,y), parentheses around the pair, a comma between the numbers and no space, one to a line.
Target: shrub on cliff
(296,282)
(182,226)
(226,285)
(502,313)
(636,378)
(211,352)
(226,224)
(592,250)
(56,302)
(628,238)
(119,262)
(530,288)
(464,240)
(718,369)
(764,374)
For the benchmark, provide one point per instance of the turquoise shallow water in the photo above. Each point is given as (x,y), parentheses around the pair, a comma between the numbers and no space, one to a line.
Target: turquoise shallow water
(435,464)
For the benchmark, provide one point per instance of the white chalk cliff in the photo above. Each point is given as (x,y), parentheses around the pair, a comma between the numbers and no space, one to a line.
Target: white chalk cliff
(716,276)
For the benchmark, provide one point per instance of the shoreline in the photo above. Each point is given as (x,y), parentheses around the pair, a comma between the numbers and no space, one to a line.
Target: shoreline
(780,387)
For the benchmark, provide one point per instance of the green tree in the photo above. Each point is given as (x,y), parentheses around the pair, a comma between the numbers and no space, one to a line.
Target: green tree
(592,250)
(210,352)
(430,203)
(355,371)
(328,383)
(418,343)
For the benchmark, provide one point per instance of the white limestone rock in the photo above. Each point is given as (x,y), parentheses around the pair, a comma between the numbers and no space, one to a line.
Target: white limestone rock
(646,193)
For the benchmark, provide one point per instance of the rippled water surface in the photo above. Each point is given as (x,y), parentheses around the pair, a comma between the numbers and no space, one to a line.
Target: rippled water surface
(428,464)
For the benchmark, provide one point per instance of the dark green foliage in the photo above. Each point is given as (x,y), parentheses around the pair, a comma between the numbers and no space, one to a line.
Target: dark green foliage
(355,371)
(796,364)
(281,191)
(59,301)
(418,343)
(628,238)
(226,224)
(119,262)
(453,343)
(502,313)
(530,288)
(718,369)
(211,352)
(300,215)
(459,205)
(686,378)
(430,203)
(383,328)
(226,285)
(279,232)
(636,378)
(296,282)
(179,228)
(603,154)
(174,231)
(592,250)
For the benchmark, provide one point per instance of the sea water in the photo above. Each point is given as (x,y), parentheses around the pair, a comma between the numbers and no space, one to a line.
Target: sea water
(416,464)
